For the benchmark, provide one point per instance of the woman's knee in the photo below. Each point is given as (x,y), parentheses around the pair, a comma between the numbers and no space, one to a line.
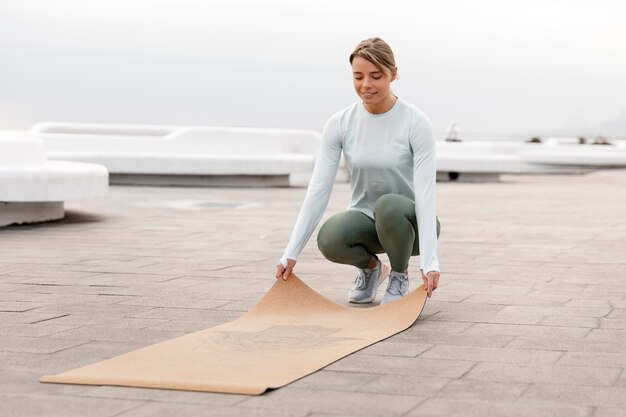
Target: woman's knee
(331,239)
(327,244)
(389,206)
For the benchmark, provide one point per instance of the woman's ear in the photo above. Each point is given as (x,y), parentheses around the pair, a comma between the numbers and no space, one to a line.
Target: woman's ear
(394,74)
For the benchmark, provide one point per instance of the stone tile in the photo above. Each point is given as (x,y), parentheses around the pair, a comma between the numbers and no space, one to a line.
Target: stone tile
(617,301)
(22,382)
(524,300)
(26,275)
(586,302)
(608,412)
(613,324)
(482,354)
(617,313)
(108,321)
(8,269)
(36,345)
(435,338)
(430,324)
(558,311)
(64,360)
(484,390)
(466,407)
(333,380)
(526,330)
(61,406)
(594,359)
(540,373)
(183,314)
(193,410)
(448,296)
(60,299)
(607,335)
(402,366)
(104,309)
(241,306)
(405,385)
(462,307)
(21,296)
(177,302)
(44,291)
(621,381)
(583,395)
(564,321)
(573,345)
(32,330)
(329,401)
(118,334)
(331,415)
(18,307)
(499,317)
(190,326)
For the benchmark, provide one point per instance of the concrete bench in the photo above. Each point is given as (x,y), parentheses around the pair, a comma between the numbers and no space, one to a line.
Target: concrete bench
(484,161)
(587,155)
(33,189)
(170,155)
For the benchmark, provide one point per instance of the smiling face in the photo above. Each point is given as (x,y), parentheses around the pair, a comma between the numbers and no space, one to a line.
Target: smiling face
(373,86)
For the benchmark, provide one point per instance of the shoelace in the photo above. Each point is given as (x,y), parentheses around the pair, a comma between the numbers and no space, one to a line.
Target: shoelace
(361,279)
(397,285)
(359,282)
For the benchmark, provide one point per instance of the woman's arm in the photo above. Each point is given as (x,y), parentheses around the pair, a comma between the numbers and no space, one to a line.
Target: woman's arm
(424,178)
(318,194)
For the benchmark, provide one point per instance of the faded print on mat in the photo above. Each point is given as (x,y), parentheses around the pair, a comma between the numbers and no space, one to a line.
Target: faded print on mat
(275,337)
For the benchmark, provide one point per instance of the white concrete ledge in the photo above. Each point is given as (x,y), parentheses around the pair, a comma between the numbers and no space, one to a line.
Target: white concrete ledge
(15,151)
(193,164)
(150,153)
(457,160)
(52,181)
(33,189)
(515,157)
(598,156)
(20,213)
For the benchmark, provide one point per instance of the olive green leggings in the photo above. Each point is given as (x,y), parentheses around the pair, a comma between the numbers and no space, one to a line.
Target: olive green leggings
(352,238)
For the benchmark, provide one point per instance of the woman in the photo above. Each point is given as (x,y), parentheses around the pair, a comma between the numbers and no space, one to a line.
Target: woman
(390,149)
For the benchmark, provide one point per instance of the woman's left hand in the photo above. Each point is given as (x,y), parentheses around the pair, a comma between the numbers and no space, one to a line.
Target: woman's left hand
(431,281)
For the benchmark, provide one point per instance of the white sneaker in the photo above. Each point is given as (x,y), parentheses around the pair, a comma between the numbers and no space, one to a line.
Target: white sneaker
(397,288)
(367,282)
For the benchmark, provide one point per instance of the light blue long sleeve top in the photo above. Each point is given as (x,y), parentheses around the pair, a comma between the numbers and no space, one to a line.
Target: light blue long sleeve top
(392,152)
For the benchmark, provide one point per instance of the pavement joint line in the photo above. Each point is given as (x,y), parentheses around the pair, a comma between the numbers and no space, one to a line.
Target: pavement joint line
(513,339)
(427,349)
(558,359)
(121,413)
(528,387)
(48,319)
(470,369)
(416,406)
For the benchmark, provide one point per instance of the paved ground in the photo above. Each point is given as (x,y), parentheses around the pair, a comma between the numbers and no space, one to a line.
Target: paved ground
(529,320)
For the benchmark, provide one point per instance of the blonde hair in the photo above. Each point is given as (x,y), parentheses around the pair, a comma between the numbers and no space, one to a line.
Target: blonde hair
(378,52)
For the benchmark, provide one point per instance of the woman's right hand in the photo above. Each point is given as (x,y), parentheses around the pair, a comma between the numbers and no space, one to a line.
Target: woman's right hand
(282,272)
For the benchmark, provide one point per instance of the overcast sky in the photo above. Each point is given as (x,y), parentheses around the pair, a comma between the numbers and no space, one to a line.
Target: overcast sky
(495,67)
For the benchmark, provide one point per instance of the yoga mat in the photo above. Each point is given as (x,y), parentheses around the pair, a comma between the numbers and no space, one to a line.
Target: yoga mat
(293,331)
